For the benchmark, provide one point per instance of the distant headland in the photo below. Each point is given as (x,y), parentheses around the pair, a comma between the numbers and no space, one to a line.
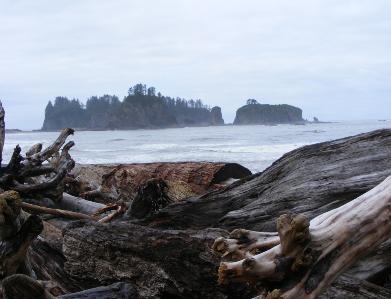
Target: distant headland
(144,108)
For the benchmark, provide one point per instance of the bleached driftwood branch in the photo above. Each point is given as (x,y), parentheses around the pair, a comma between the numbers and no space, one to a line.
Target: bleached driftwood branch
(40,172)
(305,257)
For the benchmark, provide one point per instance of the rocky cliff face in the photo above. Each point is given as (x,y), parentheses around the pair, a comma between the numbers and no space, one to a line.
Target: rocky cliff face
(268,114)
(216,116)
(134,112)
(148,112)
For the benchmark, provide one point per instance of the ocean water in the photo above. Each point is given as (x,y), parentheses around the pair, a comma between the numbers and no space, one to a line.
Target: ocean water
(255,147)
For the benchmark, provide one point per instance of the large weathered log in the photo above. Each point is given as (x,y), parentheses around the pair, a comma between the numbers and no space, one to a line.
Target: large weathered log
(310,180)
(161,264)
(306,258)
(108,182)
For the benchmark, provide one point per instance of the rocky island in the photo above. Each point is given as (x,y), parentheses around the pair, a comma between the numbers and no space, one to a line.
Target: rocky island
(143,108)
(255,113)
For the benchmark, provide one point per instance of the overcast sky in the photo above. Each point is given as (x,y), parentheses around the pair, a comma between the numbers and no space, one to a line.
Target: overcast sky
(331,58)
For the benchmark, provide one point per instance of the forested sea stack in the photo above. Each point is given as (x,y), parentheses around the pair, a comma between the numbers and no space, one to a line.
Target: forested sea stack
(255,113)
(143,108)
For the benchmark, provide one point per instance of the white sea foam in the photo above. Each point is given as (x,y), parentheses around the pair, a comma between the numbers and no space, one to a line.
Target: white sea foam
(255,147)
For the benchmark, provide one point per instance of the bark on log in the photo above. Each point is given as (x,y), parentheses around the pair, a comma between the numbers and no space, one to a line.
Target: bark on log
(107,182)
(161,264)
(346,287)
(24,287)
(375,267)
(21,286)
(151,197)
(306,258)
(17,232)
(48,261)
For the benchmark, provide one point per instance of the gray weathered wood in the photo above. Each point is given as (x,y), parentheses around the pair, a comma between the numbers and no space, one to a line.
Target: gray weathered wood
(310,180)
(119,290)
(351,288)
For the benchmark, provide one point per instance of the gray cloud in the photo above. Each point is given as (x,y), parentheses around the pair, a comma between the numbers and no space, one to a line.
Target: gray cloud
(332,58)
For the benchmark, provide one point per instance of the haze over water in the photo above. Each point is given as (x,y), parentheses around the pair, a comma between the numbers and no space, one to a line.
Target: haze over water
(255,147)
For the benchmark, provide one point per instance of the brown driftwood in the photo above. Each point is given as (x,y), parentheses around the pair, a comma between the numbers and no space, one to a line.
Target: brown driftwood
(35,209)
(161,264)
(17,232)
(306,257)
(107,183)
(151,197)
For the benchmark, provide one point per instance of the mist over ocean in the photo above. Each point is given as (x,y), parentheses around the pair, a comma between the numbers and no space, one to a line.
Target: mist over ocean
(255,147)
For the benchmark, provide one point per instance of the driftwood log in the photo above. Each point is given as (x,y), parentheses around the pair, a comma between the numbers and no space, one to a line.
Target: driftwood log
(107,183)
(304,258)
(160,263)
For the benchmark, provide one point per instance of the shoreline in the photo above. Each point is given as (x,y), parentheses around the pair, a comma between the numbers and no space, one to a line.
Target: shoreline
(15,131)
